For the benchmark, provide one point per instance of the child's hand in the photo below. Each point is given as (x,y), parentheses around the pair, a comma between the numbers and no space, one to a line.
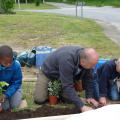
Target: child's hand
(103,101)
(2,98)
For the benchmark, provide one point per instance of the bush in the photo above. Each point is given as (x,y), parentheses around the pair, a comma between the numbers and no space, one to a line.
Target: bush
(37,2)
(6,6)
(29,1)
(64,1)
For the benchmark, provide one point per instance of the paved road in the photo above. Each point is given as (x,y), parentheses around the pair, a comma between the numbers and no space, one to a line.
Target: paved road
(108,17)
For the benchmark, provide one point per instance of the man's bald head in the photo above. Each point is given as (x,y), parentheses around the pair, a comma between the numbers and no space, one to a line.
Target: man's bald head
(88,58)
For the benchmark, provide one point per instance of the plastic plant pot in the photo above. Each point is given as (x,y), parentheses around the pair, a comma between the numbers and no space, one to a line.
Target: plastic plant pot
(53,100)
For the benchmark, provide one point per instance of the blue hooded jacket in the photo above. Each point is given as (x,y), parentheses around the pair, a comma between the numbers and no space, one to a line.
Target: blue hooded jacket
(13,76)
(107,73)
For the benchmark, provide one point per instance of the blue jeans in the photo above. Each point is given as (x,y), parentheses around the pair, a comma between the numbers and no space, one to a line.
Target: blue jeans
(113,93)
(14,101)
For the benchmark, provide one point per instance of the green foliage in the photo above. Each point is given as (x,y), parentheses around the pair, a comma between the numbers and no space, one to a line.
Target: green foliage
(65,1)
(38,2)
(54,0)
(54,88)
(115,3)
(29,1)
(2,85)
(24,6)
(6,6)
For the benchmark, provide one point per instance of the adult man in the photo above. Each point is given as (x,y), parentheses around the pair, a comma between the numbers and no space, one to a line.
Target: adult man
(68,64)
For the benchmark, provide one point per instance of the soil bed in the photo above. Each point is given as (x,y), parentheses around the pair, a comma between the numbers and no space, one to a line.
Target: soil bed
(39,112)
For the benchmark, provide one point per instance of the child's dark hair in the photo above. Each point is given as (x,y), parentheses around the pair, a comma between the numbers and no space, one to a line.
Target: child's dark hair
(6,51)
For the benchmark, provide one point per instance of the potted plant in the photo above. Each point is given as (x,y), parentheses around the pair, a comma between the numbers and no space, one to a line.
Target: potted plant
(54,88)
(2,85)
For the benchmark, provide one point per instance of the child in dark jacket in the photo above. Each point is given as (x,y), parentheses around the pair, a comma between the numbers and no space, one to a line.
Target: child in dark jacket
(10,72)
(108,77)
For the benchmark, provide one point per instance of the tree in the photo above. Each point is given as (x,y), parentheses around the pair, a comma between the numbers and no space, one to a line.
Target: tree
(37,2)
(6,6)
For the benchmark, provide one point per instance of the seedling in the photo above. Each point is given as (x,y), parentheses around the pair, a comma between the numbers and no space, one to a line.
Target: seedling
(2,85)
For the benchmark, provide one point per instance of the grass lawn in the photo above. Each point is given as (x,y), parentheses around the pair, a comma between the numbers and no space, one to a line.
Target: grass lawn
(25,30)
(33,6)
(115,3)
(99,3)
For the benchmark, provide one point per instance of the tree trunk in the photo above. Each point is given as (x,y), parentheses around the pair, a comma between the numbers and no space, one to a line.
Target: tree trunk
(26,1)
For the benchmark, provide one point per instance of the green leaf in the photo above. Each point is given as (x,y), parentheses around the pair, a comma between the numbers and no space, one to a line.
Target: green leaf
(2,84)
(54,88)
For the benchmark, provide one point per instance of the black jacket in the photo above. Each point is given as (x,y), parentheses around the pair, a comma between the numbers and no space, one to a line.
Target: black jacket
(107,74)
(63,64)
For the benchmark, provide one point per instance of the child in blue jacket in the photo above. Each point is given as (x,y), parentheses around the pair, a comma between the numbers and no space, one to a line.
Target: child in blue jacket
(10,72)
(107,81)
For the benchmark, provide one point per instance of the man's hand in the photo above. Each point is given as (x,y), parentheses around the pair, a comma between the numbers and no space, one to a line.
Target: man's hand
(85,108)
(103,101)
(2,98)
(92,101)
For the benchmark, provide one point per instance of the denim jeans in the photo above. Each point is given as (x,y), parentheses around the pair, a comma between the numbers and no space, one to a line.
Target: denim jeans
(14,101)
(113,93)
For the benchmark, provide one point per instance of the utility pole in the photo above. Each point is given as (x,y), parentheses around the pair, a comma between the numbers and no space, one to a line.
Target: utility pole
(76,7)
(81,4)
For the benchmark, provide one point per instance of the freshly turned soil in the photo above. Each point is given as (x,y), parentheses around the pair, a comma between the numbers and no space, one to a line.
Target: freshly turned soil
(39,112)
